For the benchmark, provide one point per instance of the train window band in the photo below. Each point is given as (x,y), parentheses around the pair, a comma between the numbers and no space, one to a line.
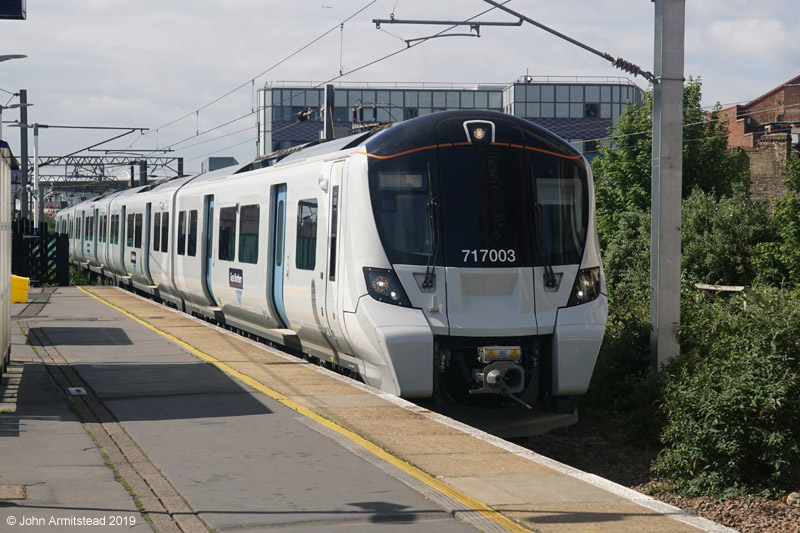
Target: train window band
(157,232)
(165,232)
(88,230)
(129,234)
(182,233)
(248,233)
(334,232)
(191,245)
(227,234)
(306,246)
(137,231)
(114,229)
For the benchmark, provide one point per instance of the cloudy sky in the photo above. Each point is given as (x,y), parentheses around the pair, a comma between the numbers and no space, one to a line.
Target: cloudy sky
(146,63)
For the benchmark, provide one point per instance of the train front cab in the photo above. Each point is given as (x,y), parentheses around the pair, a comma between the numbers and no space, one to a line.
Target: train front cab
(488,227)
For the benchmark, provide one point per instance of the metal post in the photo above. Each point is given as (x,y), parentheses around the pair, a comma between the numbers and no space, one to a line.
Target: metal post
(133,183)
(37,197)
(23,146)
(327,130)
(665,258)
(142,172)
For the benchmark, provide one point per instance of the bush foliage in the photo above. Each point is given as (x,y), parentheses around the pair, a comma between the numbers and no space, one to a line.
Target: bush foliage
(727,411)
(732,401)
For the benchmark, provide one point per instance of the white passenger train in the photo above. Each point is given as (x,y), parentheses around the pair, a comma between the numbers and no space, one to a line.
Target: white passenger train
(454,255)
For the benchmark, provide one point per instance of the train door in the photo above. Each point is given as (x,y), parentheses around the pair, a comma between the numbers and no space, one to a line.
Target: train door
(208,246)
(278,248)
(83,237)
(95,233)
(336,236)
(146,244)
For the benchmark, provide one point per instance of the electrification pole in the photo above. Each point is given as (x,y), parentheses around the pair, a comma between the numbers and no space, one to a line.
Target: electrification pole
(327,128)
(665,244)
(23,146)
(143,172)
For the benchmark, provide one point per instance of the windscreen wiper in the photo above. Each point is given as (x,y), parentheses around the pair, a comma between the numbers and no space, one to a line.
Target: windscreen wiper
(550,280)
(427,282)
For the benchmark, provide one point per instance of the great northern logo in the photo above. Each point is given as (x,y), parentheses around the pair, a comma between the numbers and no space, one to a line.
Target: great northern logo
(235,278)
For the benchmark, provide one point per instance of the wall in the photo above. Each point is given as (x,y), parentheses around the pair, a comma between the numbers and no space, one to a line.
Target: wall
(767,164)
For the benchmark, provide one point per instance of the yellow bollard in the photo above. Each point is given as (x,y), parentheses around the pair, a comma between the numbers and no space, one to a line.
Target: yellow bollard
(19,289)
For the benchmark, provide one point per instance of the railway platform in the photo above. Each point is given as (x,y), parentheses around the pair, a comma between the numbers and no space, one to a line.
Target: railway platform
(120,414)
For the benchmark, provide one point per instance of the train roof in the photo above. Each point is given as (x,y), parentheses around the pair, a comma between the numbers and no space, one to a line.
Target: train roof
(448,126)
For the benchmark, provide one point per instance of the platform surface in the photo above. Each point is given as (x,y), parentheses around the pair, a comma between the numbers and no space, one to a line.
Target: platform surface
(209,430)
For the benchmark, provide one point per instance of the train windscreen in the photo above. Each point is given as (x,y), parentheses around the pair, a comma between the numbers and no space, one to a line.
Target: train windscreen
(494,206)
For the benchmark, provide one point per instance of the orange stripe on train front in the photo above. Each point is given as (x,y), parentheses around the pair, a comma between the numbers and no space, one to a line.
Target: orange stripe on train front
(448,145)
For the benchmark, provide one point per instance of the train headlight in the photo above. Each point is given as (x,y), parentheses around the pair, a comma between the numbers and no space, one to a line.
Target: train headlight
(383,285)
(586,288)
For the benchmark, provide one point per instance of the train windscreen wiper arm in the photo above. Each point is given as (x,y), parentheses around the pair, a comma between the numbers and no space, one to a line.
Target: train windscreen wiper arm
(427,282)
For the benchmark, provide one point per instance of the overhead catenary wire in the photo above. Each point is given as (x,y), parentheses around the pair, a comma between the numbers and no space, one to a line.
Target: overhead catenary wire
(285,59)
(617,62)
(341,74)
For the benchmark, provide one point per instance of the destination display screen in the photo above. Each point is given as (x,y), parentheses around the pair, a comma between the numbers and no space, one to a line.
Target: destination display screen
(400,180)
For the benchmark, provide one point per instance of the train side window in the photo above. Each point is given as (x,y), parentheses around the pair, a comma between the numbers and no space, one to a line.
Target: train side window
(182,233)
(192,245)
(164,231)
(157,232)
(279,235)
(248,233)
(227,233)
(114,229)
(87,231)
(129,232)
(306,252)
(103,221)
(137,229)
(334,223)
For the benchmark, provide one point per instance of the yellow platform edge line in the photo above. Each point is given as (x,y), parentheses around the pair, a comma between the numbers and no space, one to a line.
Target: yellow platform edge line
(374,449)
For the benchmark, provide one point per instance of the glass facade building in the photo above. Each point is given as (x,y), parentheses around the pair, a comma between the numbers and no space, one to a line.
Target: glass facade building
(581,110)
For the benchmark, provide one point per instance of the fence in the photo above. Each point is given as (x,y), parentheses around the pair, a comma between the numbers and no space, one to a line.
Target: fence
(43,257)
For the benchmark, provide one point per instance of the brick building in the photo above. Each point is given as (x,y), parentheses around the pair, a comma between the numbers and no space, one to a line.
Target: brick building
(777,111)
(768,129)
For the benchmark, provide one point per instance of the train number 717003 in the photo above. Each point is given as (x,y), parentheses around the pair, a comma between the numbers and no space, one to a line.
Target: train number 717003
(491,255)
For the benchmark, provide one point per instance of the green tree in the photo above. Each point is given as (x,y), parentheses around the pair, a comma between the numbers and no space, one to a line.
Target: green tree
(623,171)
(720,237)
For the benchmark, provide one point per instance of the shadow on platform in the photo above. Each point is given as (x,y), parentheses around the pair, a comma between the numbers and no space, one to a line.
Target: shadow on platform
(84,336)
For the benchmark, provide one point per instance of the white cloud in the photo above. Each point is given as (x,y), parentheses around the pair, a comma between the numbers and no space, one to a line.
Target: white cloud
(148,62)
(767,41)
